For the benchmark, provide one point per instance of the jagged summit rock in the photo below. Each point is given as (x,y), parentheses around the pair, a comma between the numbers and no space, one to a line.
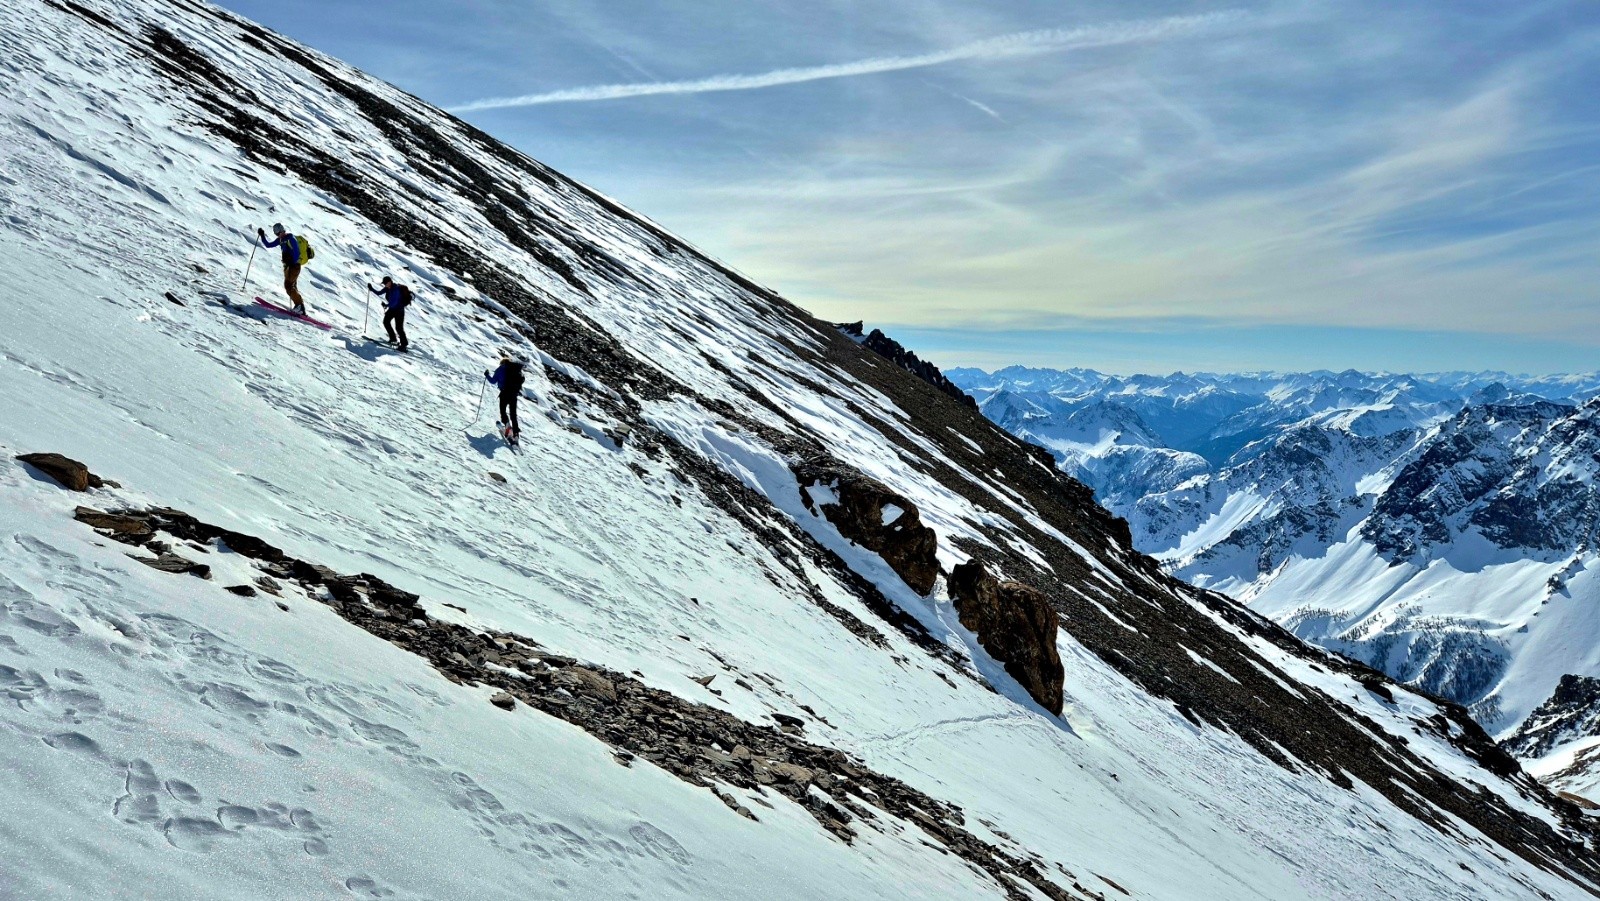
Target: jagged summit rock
(892,350)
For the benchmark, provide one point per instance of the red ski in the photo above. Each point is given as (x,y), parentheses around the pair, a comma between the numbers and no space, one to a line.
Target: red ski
(291,313)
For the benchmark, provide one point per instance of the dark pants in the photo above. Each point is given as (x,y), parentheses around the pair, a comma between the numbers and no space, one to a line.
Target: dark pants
(394,322)
(508,409)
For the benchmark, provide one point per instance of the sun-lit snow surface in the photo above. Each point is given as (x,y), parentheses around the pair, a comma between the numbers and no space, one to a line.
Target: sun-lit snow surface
(163,737)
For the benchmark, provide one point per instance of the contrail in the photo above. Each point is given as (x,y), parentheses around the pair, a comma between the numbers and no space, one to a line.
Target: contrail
(1025,43)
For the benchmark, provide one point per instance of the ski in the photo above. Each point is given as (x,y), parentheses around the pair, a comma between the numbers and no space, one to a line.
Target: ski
(285,311)
(508,437)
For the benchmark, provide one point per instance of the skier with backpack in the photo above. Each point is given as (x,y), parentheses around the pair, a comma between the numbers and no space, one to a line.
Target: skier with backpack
(396,297)
(296,253)
(509,378)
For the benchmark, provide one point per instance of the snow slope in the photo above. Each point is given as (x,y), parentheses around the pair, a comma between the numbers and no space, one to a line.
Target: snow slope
(171,738)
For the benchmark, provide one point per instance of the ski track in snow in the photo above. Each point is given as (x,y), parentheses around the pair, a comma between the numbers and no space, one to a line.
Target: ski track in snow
(173,738)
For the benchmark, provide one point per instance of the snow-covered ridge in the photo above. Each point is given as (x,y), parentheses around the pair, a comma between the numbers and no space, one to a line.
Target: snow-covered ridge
(654,527)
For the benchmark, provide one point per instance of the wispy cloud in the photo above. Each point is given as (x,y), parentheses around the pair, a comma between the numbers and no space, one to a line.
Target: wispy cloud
(1020,44)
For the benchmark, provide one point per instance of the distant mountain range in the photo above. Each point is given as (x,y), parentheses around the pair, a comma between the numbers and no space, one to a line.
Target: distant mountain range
(1439,527)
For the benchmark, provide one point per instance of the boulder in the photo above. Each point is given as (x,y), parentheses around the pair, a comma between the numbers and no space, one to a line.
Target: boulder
(124,528)
(1017,626)
(587,681)
(344,589)
(178,566)
(789,772)
(874,516)
(67,472)
(311,573)
(503,700)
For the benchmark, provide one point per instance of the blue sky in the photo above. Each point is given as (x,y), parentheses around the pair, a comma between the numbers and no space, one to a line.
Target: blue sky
(1136,186)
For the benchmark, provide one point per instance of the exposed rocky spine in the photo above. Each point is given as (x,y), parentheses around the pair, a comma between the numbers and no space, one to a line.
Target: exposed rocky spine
(892,350)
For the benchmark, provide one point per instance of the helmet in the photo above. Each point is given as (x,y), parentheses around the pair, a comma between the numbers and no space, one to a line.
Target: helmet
(277,228)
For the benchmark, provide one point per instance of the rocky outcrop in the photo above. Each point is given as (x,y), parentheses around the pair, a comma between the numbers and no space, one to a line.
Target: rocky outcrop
(69,473)
(874,516)
(895,352)
(1017,625)
(1572,712)
(127,529)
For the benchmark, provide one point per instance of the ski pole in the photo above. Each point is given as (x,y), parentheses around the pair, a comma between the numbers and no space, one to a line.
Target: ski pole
(246,282)
(366,306)
(478,413)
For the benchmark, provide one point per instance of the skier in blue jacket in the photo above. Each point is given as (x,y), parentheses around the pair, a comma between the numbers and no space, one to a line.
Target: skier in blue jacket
(396,297)
(509,378)
(291,262)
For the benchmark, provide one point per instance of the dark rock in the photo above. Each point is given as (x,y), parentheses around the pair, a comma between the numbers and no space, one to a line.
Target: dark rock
(503,700)
(67,472)
(124,528)
(876,517)
(1017,626)
(1378,688)
(244,591)
(787,772)
(704,681)
(892,350)
(246,546)
(788,722)
(310,573)
(385,595)
(268,584)
(588,680)
(344,589)
(172,563)
(497,477)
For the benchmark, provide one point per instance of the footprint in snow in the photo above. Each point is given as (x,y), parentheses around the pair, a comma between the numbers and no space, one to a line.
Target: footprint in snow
(658,844)
(75,742)
(366,887)
(180,812)
(193,833)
